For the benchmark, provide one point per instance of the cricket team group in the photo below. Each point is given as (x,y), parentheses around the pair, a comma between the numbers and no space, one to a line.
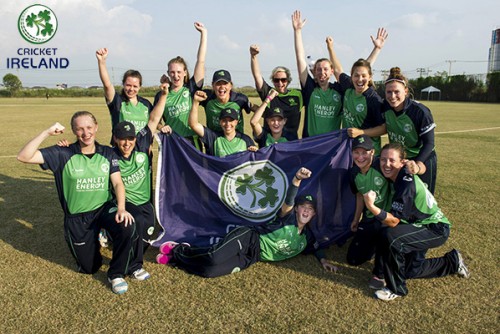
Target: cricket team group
(108,189)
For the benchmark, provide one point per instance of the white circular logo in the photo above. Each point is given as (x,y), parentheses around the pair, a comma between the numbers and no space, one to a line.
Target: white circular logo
(37,24)
(378,181)
(105,168)
(140,158)
(254,190)
(360,108)
(408,128)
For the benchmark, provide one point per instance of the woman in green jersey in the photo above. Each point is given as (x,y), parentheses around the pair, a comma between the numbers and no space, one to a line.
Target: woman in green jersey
(127,105)
(415,224)
(322,99)
(92,196)
(181,90)
(362,105)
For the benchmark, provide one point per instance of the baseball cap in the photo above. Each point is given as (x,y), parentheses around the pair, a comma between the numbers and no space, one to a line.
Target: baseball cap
(276,111)
(308,198)
(221,75)
(229,112)
(362,141)
(124,130)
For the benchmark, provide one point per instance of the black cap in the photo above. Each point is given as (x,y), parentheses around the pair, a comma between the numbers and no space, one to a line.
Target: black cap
(362,141)
(276,111)
(221,75)
(229,112)
(308,198)
(124,130)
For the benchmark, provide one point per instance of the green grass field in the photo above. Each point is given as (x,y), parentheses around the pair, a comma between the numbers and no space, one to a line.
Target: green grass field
(40,291)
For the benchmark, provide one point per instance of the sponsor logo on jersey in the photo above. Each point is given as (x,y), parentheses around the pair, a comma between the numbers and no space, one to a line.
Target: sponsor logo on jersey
(254,190)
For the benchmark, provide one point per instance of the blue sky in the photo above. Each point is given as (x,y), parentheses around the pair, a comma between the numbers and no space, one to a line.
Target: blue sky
(145,34)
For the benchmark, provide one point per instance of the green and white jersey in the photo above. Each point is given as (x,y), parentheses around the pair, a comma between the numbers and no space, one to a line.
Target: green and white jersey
(136,170)
(122,110)
(413,203)
(82,182)
(282,239)
(213,108)
(407,126)
(217,145)
(372,180)
(323,108)
(362,111)
(177,108)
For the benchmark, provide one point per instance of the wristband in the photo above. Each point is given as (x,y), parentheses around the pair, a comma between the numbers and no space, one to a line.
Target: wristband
(381,216)
(418,168)
(291,194)
(268,98)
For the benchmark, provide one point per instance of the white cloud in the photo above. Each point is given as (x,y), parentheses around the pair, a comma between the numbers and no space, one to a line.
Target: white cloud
(227,43)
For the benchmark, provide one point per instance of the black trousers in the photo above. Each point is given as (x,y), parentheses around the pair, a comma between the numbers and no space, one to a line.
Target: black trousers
(145,218)
(81,232)
(399,243)
(364,245)
(239,249)
(429,177)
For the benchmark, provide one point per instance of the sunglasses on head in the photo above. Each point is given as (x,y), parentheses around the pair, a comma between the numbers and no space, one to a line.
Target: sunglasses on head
(276,80)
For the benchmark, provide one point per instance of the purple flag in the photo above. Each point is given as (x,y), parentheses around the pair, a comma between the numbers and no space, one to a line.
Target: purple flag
(200,198)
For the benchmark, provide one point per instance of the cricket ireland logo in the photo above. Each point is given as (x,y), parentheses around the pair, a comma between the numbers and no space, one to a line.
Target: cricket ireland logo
(37,24)
(254,190)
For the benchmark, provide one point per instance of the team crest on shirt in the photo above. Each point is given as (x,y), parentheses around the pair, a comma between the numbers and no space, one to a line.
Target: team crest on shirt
(185,94)
(140,158)
(254,190)
(378,181)
(336,97)
(407,128)
(105,168)
(360,108)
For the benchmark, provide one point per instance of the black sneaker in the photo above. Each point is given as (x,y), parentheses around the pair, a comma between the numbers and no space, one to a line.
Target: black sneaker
(377,283)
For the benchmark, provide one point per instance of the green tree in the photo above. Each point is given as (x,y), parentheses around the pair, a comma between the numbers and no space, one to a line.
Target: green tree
(12,83)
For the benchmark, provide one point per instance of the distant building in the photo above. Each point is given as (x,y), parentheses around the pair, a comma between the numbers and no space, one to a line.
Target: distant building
(494,56)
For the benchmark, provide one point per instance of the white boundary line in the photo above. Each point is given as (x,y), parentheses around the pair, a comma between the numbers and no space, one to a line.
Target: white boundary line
(471,130)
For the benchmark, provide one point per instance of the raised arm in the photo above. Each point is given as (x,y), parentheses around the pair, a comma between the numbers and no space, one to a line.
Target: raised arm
(157,112)
(254,65)
(337,66)
(378,44)
(109,89)
(255,120)
(199,68)
(302,174)
(30,153)
(300,55)
(193,115)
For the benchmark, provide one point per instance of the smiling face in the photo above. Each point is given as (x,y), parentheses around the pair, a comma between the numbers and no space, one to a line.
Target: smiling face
(131,87)
(361,78)
(323,71)
(177,73)
(222,90)
(362,158)
(228,125)
(305,213)
(280,81)
(125,145)
(391,163)
(276,124)
(395,94)
(84,127)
